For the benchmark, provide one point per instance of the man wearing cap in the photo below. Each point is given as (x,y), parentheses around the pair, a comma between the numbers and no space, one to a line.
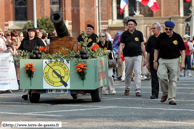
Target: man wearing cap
(156,27)
(90,34)
(28,44)
(168,47)
(188,51)
(132,41)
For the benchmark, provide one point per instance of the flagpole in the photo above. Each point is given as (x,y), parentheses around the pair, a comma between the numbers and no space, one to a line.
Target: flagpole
(34,11)
(137,6)
(137,12)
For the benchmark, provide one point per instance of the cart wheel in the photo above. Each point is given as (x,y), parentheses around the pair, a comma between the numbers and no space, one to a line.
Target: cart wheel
(97,95)
(34,97)
(74,96)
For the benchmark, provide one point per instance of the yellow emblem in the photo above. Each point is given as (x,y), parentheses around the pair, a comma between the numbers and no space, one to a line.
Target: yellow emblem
(56,74)
(89,40)
(175,42)
(136,39)
(105,49)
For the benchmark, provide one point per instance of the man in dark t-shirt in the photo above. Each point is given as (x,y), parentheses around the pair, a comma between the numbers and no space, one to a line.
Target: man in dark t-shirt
(168,47)
(156,27)
(132,41)
(90,34)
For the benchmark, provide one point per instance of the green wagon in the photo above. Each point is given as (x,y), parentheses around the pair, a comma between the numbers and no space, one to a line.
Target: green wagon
(62,77)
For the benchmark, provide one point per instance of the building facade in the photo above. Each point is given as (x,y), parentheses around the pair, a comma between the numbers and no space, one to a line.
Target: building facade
(102,14)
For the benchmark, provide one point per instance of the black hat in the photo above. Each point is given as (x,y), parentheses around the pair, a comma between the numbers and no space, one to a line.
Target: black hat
(31,28)
(132,21)
(89,25)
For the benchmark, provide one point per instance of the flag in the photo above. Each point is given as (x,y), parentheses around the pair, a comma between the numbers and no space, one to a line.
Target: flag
(153,5)
(123,4)
(188,0)
(144,2)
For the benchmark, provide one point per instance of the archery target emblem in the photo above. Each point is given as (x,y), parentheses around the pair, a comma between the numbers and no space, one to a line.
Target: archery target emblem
(56,74)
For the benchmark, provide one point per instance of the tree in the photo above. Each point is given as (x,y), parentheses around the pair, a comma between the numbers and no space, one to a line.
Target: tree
(42,23)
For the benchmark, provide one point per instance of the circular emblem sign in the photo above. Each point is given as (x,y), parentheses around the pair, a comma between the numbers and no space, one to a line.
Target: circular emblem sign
(175,42)
(136,39)
(56,74)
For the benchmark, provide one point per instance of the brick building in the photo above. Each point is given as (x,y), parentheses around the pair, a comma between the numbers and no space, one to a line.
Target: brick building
(103,14)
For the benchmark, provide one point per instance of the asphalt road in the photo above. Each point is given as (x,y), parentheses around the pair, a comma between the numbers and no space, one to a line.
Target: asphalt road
(113,112)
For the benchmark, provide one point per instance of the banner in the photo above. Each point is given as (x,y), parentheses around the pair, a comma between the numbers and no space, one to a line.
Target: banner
(8,79)
(56,75)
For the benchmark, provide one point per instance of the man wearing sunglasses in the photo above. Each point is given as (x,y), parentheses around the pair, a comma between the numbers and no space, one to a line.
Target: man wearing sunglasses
(168,47)
(156,28)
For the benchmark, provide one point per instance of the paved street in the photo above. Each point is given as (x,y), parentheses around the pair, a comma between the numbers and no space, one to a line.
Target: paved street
(113,112)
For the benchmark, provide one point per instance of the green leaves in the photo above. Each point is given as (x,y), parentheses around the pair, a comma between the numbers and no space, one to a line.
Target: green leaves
(92,54)
(42,23)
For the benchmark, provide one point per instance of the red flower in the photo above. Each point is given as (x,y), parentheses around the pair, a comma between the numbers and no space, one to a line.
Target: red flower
(94,47)
(42,49)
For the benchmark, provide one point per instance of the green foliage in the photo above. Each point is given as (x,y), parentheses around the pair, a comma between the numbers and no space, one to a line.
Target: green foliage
(42,23)
(92,54)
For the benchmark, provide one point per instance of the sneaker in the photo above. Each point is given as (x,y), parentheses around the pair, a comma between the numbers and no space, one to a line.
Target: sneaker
(182,75)
(190,75)
(144,76)
(113,92)
(107,93)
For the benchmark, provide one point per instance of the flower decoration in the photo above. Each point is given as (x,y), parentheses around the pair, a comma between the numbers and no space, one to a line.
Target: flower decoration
(94,47)
(42,49)
(81,70)
(29,69)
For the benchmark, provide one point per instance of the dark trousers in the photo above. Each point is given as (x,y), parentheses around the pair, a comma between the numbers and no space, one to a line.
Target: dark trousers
(187,62)
(155,83)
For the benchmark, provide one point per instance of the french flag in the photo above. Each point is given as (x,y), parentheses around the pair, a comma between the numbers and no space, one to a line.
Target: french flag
(144,2)
(123,4)
(153,5)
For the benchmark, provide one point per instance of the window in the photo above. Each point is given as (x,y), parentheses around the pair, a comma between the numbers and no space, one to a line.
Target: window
(20,10)
(187,29)
(187,5)
(55,5)
(131,7)
(119,16)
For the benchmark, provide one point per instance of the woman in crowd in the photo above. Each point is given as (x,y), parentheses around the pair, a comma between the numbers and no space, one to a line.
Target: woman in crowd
(8,37)
(21,36)
(39,34)
(44,38)
(28,44)
(107,46)
(15,37)
(13,49)
(2,42)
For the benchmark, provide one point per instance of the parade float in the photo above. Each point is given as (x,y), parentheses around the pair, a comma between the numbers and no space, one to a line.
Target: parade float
(66,67)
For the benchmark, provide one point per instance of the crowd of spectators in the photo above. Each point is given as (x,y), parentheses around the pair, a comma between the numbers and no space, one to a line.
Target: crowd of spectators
(12,41)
